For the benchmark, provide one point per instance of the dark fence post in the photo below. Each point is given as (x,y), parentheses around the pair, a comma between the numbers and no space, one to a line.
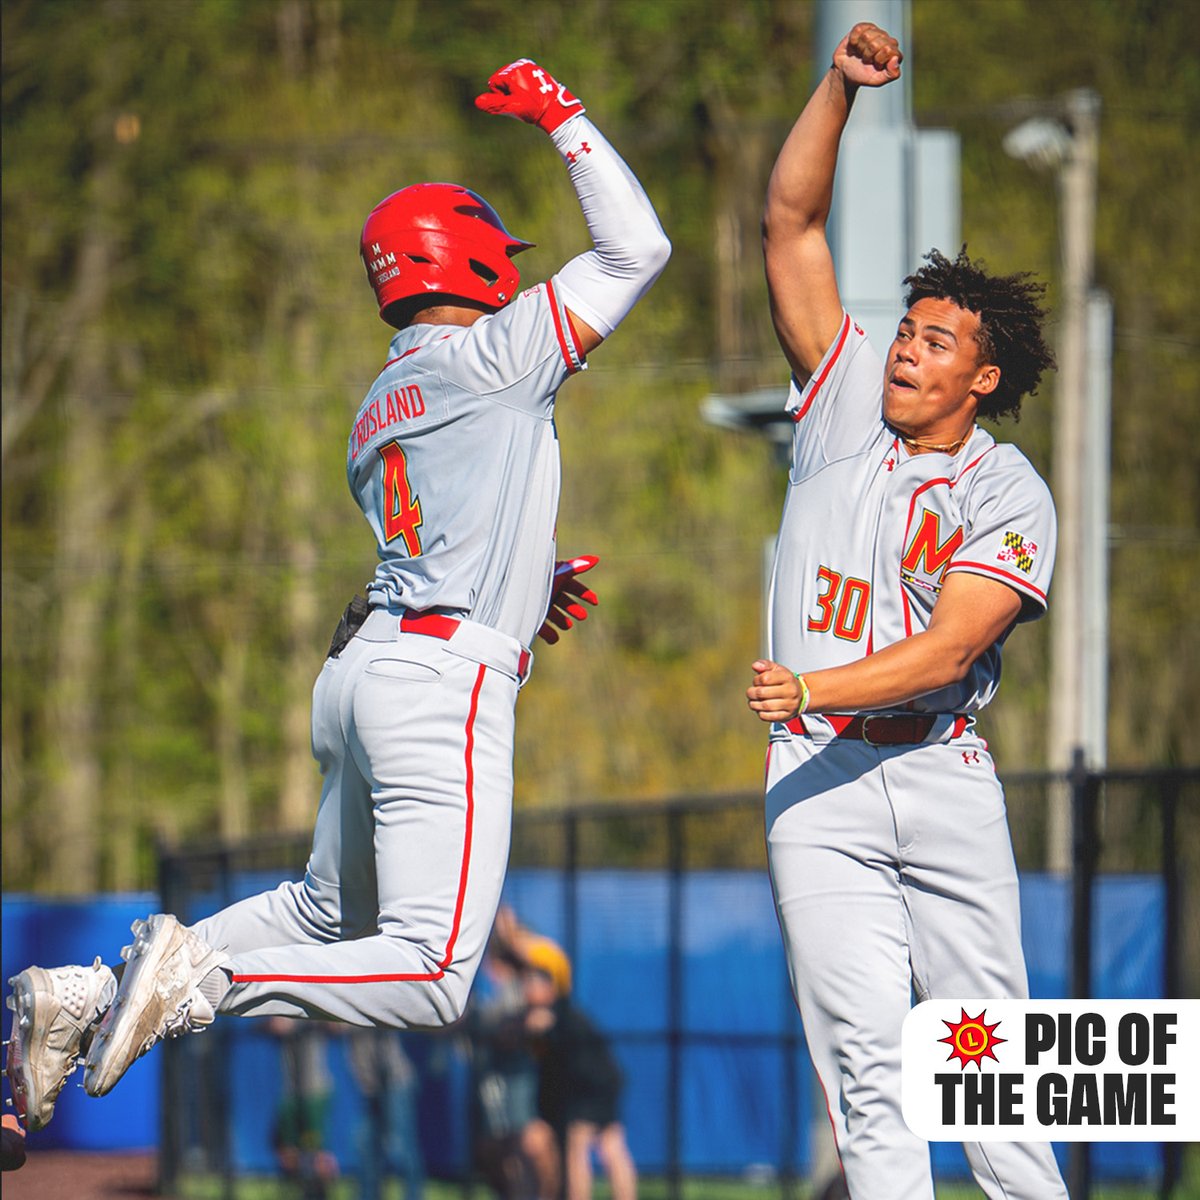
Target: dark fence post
(169,1111)
(1172,947)
(218,1051)
(571,891)
(675,854)
(791,1103)
(1085,789)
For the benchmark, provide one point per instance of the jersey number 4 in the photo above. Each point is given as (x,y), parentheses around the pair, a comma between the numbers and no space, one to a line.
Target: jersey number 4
(842,605)
(401,509)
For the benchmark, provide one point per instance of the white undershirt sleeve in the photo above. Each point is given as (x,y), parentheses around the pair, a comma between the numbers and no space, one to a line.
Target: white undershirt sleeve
(602,285)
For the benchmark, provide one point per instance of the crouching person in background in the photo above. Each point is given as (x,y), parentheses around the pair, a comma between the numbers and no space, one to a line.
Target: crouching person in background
(579,1081)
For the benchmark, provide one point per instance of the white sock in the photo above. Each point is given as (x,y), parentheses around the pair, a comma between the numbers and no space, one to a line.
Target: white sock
(214,986)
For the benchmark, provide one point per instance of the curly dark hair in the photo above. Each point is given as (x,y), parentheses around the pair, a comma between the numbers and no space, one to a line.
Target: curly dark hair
(1010,322)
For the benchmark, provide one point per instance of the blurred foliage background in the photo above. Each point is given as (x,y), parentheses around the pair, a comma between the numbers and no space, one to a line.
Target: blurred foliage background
(187,334)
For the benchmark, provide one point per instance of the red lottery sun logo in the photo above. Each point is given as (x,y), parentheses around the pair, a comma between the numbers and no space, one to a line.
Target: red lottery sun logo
(971,1039)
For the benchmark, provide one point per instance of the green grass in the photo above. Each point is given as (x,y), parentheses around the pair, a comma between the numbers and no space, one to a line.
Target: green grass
(255,1187)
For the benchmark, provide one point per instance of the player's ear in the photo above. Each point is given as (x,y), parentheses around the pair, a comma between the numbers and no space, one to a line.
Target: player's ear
(987,380)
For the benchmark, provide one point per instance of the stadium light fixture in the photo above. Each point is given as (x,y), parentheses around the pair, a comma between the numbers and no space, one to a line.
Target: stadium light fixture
(1040,142)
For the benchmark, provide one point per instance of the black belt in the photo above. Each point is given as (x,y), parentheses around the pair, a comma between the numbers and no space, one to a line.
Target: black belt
(882,729)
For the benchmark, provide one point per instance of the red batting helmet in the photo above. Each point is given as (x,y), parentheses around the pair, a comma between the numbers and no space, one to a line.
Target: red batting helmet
(439,239)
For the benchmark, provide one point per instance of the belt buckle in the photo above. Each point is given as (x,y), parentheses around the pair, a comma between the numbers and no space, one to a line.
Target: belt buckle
(866,723)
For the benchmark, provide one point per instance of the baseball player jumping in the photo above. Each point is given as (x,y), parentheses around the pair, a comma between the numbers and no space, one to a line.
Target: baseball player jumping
(453,458)
(911,546)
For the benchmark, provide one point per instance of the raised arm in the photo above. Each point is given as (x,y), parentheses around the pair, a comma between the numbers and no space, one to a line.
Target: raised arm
(805,305)
(601,286)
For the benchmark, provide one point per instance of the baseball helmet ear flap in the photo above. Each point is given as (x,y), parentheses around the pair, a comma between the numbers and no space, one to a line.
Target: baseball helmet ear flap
(438,240)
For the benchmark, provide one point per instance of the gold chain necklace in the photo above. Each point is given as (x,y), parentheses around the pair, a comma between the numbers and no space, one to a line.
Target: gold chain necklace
(949,448)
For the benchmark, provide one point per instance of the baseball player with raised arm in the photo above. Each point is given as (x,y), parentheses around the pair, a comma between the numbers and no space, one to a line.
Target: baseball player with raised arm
(911,545)
(453,458)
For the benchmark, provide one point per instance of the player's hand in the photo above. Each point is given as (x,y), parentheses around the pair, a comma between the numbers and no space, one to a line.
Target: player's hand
(530,93)
(868,56)
(565,593)
(775,693)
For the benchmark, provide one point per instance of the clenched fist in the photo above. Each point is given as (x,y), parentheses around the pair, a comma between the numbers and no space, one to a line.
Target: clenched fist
(868,56)
(776,694)
(530,93)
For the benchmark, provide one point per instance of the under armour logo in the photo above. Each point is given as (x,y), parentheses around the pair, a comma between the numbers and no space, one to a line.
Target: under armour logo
(572,155)
(970,756)
(547,85)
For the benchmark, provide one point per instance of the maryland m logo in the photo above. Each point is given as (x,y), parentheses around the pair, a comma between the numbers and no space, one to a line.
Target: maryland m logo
(927,554)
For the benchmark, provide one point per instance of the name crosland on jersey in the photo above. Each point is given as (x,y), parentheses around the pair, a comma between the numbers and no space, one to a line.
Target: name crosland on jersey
(383,412)
(902,524)
(477,403)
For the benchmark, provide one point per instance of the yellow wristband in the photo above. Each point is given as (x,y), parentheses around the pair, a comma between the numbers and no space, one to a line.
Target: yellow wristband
(804,696)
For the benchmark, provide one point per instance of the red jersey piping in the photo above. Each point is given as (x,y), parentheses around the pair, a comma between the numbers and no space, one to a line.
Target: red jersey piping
(1021,584)
(816,387)
(558,328)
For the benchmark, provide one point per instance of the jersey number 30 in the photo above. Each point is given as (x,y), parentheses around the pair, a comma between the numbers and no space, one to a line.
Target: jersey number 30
(842,605)
(401,509)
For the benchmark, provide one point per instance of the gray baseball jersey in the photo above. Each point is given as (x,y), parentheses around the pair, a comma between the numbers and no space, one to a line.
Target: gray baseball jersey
(892,865)
(471,403)
(870,532)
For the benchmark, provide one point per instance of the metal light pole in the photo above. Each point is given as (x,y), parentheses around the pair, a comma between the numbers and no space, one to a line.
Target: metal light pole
(1097,474)
(1069,143)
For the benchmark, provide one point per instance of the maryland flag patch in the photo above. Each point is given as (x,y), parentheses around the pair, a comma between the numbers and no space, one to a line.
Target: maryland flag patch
(1019,551)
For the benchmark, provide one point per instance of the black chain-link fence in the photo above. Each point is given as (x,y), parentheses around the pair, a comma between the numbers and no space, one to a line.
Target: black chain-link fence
(1126,827)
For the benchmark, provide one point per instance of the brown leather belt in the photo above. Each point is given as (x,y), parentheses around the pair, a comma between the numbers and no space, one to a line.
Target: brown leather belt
(882,729)
(438,625)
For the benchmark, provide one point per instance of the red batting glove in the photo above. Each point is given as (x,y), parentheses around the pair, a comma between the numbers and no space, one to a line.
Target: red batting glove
(565,591)
(526,91)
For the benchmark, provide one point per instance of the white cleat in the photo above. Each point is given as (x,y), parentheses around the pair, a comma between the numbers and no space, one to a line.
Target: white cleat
(55,1014)
(159,997)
